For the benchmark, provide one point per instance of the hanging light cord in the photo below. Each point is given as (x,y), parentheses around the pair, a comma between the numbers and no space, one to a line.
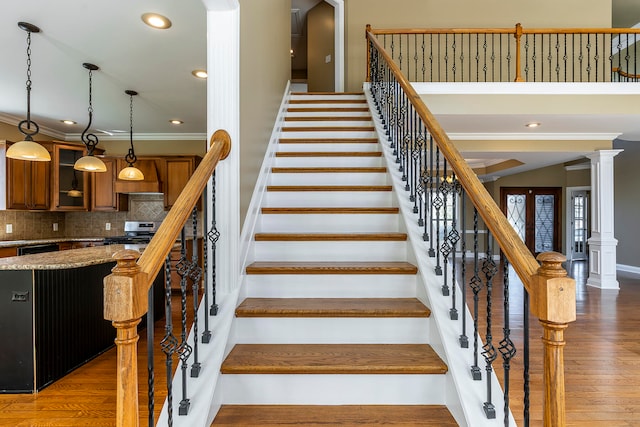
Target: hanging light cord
(131,158)
(89,139)
(28,133)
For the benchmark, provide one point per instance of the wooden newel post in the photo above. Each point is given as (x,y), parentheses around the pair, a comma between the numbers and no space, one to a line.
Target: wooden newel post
(366,38)
(518,36)
(125,302)
(554,303)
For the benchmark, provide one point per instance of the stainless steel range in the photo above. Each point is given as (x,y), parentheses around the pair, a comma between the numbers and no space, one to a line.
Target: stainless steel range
(135,232)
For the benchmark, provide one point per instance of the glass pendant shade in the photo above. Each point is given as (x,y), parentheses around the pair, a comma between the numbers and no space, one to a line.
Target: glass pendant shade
(131,173)
(90,164)
(74,193)
(28,150)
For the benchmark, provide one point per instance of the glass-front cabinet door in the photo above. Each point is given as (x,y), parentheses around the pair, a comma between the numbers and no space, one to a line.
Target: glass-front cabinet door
(69,185)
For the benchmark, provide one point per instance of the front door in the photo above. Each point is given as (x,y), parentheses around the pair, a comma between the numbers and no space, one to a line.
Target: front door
(535,215)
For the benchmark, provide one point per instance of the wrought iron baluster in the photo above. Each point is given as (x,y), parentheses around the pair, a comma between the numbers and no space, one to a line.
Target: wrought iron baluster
(195,274)
(417,153)
(534,58)
(439,64)
(405,137)
(454,238)
(588,57)
(508,61)
(488,350)
(184,349)
(476,286)
(446,57)
(558,57)
(526,57)
(581,57)
(493,57)
(565,58)
(424,69)
(445,248)
(429,209)
(484,65)
(206,334)
(437,205)
(461,57)
(525,357)
(507,348)
(477,58)
(213,235)
(169,343)
(400,52)
(464,339)
(453,67)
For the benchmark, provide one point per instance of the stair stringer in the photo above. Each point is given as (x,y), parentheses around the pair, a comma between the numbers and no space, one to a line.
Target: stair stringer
(465,397)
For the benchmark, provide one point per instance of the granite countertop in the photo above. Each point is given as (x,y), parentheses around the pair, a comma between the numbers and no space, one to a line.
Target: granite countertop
(16,243)
(60,260)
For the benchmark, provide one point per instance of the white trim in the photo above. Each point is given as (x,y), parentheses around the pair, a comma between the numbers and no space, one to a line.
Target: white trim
(526,88)
(628,268)
(339,18)
(523,136)
(578,167)
(567,203)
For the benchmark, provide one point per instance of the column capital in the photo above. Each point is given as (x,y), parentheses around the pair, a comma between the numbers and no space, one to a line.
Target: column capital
(601,154)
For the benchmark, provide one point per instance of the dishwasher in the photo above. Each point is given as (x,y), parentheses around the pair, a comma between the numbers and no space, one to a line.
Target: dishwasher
(37,249)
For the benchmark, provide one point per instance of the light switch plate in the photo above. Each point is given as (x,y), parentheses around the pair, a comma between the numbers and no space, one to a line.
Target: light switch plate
(9,228)
(107,226)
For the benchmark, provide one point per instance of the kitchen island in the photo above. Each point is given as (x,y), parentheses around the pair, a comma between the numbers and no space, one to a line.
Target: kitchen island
(51,314)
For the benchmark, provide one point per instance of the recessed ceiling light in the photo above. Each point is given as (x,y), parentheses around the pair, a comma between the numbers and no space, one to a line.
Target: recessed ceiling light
(156,21)
(176,122)
(201,74)
(532,125)
(68,122)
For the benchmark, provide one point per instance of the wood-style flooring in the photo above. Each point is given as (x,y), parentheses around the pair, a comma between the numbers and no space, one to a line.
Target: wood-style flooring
(602,358)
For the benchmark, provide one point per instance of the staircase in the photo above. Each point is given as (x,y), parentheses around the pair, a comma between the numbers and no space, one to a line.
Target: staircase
(330,329)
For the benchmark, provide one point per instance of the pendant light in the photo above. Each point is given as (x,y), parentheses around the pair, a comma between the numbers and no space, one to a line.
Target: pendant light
(131,173)
(74,192)
(90,163)
(28,149)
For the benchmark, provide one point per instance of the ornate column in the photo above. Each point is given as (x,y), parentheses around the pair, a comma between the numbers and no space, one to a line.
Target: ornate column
(602,243)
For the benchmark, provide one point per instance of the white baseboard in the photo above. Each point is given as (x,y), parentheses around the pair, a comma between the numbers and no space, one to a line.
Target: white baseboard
(628,269)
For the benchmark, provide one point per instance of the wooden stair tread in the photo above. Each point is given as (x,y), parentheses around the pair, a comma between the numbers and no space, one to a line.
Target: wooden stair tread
(328,93)
(331,210)
(329,119)
(338,415)
(327,109)
(355,169)
(328,129)
(333,359)
(329,154)
(278,267)
(329,188)
(328,141)
(334,237)
(332,307)
(328,101)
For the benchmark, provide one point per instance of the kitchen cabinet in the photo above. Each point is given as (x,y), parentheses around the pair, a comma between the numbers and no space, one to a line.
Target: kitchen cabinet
(177,171)
(70,187)
(7,252)
(27,185)
(103,194)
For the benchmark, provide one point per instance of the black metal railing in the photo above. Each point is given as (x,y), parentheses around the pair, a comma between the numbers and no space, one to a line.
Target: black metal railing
(514,54)
(439,200)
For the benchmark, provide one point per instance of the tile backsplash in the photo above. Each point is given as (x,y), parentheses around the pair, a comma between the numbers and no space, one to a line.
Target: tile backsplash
(39,225)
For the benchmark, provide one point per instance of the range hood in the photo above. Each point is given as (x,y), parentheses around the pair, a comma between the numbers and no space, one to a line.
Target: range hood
(150,184)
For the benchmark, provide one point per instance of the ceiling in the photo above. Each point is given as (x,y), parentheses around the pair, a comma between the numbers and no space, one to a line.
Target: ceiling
(158,64)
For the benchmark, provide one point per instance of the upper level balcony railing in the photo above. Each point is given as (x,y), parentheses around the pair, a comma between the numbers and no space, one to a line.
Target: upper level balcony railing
(514,54)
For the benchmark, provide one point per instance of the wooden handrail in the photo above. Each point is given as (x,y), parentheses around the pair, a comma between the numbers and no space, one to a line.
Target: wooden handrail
(622,73)
(387,31)
(552,294)
(126,288)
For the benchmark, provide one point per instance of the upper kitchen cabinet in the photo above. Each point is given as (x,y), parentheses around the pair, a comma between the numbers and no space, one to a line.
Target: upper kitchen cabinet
(70,187)
(103,194)
(27,183)
(178,171)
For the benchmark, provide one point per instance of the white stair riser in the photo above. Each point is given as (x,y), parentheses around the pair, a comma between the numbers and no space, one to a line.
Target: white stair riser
(335,223)
(346,178)
(288,330)
(329,146)
(327,105)
(327,134)
(327,114)
(334,389)
(330,286)
(329,199)
(328,123)
(340,96)
(329,162)
(331,251)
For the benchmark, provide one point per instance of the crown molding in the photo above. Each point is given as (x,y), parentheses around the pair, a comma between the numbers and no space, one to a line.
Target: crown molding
(143,137)
(521,136)
(12,120)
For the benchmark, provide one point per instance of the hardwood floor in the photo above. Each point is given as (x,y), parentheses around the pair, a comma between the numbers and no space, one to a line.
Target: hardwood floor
(602,359)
